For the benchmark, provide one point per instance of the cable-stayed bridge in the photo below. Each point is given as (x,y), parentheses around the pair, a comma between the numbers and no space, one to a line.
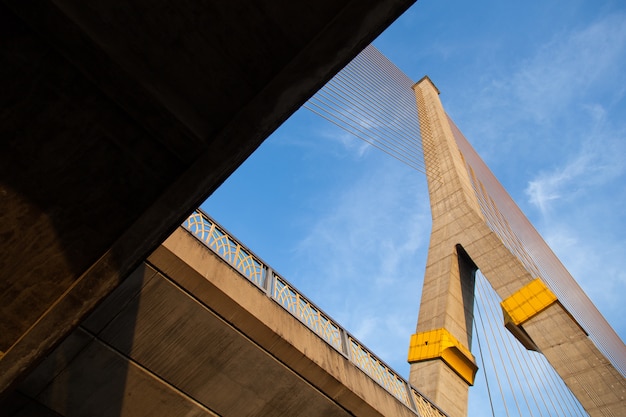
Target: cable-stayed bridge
(109,140)
(117,340)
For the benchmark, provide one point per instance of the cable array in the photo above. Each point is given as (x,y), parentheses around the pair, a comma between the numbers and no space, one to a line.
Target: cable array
(527,384)
(373,100)
(517,233)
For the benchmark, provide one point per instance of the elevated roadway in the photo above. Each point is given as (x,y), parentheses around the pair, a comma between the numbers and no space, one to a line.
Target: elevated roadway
(188,334)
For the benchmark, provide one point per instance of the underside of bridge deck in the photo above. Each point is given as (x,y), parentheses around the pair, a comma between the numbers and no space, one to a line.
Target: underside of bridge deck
(119,118)
(187,335)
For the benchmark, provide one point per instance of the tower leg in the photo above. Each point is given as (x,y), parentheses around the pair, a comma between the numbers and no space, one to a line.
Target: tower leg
(442,367)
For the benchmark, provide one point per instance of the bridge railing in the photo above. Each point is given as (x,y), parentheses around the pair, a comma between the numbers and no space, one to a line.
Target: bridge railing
(216,238)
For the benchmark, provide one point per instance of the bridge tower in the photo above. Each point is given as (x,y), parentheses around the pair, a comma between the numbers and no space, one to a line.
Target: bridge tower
(472,228)
(441,363)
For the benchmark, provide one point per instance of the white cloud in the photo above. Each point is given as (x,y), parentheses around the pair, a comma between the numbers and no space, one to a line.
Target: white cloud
(568,66)
(547,188)
(365,257)
(558,85)
(598,163)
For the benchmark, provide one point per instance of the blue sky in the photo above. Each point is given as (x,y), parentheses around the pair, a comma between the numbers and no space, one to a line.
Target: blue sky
(537,87)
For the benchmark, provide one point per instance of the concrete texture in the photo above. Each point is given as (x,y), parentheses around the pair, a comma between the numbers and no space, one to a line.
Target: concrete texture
(186,334)
(448,290)
(119,118)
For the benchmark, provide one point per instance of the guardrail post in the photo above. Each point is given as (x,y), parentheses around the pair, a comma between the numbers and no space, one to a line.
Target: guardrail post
(270,282)
(345,343)
(409,391)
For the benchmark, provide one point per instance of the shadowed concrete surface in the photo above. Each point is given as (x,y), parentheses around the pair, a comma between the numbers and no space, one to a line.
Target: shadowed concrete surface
(186,334)
(117,119)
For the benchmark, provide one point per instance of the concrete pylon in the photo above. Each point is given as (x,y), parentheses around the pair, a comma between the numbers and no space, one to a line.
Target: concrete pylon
(442,366)
(470,231)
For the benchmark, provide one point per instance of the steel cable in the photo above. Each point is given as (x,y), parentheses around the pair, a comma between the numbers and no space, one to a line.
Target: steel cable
(371,99)
(553,396)
(482,362)
(493,361)
(493,330)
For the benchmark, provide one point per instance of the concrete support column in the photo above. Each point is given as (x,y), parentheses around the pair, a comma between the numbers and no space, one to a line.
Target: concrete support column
(442,366)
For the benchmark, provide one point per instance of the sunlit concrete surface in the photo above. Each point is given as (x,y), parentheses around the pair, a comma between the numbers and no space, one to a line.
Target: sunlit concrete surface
(186,334)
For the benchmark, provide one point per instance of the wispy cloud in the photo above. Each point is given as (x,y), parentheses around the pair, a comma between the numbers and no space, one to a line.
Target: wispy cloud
(557,86)
(368,246)
(597,163)
(568,66)
(348,142)
(561,183)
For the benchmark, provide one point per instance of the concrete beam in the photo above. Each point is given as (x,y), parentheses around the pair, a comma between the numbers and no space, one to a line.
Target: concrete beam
(119,119)
(186,334)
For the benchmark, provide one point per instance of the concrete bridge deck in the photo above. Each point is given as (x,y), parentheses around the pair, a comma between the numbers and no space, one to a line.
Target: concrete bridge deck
(187,334)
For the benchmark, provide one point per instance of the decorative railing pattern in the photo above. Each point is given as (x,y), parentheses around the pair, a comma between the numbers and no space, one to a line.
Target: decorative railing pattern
(424,407)
(280,290)
(212,235)
(378,371)
(308,314)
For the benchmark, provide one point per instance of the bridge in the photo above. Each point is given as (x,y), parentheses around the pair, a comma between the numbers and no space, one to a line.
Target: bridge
(204,327)
(119,356)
